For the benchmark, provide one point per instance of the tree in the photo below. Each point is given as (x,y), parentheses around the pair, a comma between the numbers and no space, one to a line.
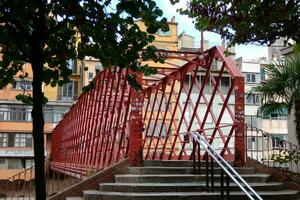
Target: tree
(281,91)
(47,33)
(247,21)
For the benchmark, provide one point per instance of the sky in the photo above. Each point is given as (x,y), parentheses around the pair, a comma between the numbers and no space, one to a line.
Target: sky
(186,24)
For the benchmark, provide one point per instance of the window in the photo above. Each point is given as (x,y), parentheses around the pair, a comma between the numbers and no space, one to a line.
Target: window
(216,65)
(18,113)
(72,64)
(23,113)
(3,163)
(262,74)
(15,140)
(249,142)
(13,112)
(23,140)
(3,139)
(157,129)
(280,115)
(278,140)
(253,121)
(208,85)
(15,164)
(157,102)
(225,84)
(91,75)
(4,112)
(22,85)
(253,99)
(54,113)
(68,92)
(254,143)
(162,33)
(29,163)
(252,78)
(98,68)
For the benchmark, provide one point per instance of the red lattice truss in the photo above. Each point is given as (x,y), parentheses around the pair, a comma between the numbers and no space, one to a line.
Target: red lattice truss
(191,92)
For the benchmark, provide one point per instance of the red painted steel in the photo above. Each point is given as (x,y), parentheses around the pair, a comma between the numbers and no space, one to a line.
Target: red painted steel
(205,95)
(93,133)
(191,92)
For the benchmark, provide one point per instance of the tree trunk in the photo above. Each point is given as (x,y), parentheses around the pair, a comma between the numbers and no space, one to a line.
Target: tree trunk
(38,60)
(297,119)
(38,131)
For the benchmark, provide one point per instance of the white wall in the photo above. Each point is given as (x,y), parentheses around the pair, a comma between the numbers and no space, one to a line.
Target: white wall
(292,129)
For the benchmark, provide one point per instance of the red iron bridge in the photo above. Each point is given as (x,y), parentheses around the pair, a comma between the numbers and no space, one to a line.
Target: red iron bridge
(191,109)
(201,92)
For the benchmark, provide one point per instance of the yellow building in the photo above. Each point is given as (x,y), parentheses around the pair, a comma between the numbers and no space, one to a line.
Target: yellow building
(16,145)
(167,41)
(164,40)
(93,67)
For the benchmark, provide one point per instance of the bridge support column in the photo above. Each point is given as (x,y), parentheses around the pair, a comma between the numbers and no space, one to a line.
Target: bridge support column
(135,152)
(240,150)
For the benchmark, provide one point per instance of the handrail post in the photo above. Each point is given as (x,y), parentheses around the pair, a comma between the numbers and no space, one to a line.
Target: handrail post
(206,172)
(240,154)
(222,184)
(135,152)
(194,156)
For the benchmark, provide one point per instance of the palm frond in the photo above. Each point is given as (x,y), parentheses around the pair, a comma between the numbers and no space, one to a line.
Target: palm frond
(293,63)
(270,108)
(283,81)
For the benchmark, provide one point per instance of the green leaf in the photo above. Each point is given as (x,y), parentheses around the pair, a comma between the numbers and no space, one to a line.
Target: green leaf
(132,81)
(26,99)
(88,88)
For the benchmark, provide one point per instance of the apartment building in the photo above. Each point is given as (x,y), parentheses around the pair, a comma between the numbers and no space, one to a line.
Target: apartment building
(187,42)
(275,124)
(164,41)
(279,51)
(16,141)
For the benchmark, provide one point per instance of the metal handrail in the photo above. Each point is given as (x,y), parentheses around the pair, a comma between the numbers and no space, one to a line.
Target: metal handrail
(19,173)
(262,149)
(243,185)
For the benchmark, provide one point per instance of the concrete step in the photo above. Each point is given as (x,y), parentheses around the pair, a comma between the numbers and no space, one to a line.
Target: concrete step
(182,170)
(180,187)
(269,195)
(74,198)
(180,178)
(174,163)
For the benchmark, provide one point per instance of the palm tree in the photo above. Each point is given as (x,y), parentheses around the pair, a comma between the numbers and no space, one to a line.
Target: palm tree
(281,90)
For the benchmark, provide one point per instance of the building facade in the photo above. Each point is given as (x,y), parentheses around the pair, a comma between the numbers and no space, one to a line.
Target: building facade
(275,124)
(16,141)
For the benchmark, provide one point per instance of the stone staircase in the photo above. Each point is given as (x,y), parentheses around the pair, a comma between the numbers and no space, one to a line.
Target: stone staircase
(174,180)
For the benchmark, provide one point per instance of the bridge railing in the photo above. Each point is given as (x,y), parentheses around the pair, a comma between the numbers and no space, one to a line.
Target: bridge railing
(190,91)
(204,94)
(22,184)
(94,133)
(271,150)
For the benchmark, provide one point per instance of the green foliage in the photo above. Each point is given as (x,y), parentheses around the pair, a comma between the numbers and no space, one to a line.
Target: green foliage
(281,90)
(28,100)
(132,81)
(88,88)
(47,34)
(267,109)
(286,156)
(73,30)
(246,21)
